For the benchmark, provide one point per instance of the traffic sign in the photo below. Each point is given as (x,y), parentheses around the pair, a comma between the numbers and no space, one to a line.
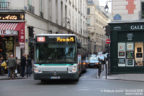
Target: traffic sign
(108,41)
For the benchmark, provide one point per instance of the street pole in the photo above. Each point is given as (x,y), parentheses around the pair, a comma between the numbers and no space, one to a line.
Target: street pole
(106,71)
(106,65)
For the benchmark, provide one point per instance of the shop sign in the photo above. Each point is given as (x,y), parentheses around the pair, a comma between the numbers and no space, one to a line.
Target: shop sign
(137,27)
(22,45)
(21,35)
(117,28)
(12,16)
(8,32)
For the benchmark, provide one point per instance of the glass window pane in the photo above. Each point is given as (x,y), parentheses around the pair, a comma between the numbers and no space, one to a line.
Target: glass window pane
(142,7)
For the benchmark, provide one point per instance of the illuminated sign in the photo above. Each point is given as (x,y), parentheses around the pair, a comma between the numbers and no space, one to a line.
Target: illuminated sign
(137,27)
(12,16)
(68,39)
(41,39)
(8,32)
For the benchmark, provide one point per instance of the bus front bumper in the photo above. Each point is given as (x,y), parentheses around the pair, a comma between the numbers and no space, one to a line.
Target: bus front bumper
(56,75)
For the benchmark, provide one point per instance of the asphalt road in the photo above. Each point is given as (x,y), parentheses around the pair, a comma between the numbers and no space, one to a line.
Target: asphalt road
(88,85)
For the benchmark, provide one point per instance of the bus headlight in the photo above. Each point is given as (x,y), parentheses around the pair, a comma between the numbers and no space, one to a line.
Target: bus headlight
(72,69)
(37,69)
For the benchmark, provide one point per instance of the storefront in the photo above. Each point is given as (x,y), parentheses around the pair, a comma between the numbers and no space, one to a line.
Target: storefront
(127,47)
(12,34)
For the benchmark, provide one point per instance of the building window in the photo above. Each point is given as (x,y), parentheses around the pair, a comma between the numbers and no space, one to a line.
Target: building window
(4,4)
(61,13)
(88,22)
(56,11)
(50,10)
(30,7)
(142,9)
(66,15)
(41,8)
(88,11)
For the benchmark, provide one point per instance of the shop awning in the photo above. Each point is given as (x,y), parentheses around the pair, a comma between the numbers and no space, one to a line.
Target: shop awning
(13,29)
(11,26)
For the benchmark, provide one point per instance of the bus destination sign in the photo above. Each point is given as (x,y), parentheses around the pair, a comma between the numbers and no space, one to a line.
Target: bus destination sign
(59,39)
(68,39)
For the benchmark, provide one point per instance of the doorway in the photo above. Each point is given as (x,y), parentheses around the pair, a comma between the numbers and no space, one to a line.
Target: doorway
(6,46)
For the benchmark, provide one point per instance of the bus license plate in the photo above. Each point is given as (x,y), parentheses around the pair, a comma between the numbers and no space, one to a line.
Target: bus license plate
(55,77)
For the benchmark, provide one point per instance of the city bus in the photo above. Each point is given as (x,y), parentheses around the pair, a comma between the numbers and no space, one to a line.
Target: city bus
(56,57)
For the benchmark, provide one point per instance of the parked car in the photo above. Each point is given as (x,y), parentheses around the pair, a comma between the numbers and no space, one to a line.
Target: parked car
(93,62)
(93,55)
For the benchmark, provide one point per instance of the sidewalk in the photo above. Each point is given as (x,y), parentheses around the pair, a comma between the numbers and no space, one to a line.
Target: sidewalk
(128,77)
(5,77)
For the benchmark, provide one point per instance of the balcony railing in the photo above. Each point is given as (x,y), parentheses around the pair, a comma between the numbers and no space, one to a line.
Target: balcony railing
(4,5)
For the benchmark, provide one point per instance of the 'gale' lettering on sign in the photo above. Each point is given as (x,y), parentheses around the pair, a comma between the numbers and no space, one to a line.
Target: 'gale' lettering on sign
(137,27)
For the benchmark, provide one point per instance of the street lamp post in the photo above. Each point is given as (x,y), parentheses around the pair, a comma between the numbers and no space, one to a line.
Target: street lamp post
(106,6)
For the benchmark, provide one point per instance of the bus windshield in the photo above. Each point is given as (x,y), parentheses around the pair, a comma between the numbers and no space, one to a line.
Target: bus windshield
(55,53)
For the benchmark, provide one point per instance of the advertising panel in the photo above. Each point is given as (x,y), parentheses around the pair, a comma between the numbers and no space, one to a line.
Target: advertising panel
(121,54)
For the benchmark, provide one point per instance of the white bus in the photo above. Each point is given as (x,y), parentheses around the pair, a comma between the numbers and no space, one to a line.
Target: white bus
(56,57)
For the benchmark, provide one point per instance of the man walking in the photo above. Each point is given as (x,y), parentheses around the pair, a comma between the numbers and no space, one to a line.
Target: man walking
(23,65)
(29,66)
(11,63)
(99,70)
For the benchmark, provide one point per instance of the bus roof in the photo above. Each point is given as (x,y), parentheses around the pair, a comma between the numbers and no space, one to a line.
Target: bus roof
(55,35)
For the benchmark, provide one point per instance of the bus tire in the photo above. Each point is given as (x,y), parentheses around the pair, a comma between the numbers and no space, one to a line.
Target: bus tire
(43,81)
(76,79)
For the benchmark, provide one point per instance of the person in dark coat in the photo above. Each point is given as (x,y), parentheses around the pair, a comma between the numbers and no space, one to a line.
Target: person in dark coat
(29,66)
(99,68)
(11,64)
(23,65)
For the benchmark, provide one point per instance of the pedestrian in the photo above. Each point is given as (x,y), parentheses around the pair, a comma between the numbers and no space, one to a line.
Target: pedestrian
(99,67)
(23,65)
(1,67)
(29,66)
(16,69)
(11,64)
(99,70)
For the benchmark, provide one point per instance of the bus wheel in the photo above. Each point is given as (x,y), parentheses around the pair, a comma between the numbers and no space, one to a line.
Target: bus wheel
(43,81)
(76,80)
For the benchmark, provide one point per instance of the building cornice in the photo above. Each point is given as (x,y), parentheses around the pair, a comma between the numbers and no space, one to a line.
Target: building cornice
(55,24)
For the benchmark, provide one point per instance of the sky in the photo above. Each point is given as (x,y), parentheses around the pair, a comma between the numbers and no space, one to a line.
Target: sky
(103,3)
